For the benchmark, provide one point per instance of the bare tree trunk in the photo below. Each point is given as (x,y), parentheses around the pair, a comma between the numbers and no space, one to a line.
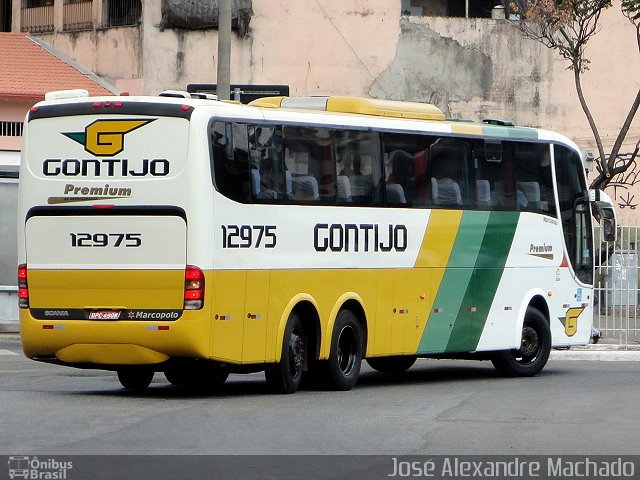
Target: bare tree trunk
(602,180)
(592,123)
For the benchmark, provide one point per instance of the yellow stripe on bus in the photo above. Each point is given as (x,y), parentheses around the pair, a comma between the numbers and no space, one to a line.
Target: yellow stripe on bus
(466,129)
(438,239)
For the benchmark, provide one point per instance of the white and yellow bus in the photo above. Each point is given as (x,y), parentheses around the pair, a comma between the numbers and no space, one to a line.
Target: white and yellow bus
(296,236)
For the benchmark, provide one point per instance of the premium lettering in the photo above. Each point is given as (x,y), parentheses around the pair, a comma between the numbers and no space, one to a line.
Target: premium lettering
(106,191)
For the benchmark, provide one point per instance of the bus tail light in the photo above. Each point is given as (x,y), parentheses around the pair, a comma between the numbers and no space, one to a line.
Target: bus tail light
(23,289)
(193,288)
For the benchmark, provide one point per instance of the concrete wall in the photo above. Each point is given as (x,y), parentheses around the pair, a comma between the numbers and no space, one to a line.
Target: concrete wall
(114,54)
(315,47)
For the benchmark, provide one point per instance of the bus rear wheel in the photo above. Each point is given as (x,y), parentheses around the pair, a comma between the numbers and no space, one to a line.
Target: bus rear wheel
(535,347)
(285,376)
(135,379)
(392,365)
(345,357)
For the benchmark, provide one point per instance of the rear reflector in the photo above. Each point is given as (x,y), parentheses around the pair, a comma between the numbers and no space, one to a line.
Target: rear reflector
(23,288)
(193,288)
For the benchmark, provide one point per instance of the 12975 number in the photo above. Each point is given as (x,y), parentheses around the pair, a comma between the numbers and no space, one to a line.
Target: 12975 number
(106,239)
(247,236)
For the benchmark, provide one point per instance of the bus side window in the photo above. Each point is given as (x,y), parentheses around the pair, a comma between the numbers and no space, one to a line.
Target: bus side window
(309,158)
(358,167)
(451,185)
(534,183)
(492,175)
(405,165)
(230,160)
(268,180)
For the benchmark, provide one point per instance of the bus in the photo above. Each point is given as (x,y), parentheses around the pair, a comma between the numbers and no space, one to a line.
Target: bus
(296,236)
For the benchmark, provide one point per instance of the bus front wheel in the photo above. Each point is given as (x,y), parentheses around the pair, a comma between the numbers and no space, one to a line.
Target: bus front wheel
(285,376)
(535,347)
(135,379)
(345,357)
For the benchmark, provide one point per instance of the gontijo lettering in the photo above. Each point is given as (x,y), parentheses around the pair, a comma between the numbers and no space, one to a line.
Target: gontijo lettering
(73,167)
(359,237)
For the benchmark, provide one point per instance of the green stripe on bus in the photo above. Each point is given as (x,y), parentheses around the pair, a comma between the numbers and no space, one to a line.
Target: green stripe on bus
(454,283)
(483,284)
(509,132)
(520,132)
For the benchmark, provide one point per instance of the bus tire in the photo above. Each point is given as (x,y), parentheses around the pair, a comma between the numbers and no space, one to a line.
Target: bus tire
(534,350)
(285,376)
(135,379)
(345,356)
(392,365)
(197,376)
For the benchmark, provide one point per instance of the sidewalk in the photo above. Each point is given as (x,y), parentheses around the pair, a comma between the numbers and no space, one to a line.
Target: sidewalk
(607,352)
(597,355)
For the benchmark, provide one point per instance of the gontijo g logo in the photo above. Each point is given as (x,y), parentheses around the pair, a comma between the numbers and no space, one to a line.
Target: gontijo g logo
(105,138)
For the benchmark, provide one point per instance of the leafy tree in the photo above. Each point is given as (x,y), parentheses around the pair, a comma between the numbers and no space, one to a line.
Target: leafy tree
(566,26)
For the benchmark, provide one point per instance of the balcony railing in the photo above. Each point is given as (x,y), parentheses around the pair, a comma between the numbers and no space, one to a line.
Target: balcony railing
(37,19)
(77,15)
(122,12)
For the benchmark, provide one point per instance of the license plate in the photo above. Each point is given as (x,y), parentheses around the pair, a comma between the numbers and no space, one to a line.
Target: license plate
(104,315)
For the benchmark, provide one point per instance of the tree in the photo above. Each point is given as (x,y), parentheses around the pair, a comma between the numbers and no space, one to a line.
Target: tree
(566,26)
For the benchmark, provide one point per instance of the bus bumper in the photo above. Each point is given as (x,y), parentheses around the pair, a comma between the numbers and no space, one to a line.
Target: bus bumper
(85,343)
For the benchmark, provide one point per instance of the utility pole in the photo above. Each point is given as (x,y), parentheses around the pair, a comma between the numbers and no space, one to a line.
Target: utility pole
(224,50)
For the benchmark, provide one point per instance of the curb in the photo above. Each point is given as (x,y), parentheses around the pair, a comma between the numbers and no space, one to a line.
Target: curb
(589,355)
(9,327)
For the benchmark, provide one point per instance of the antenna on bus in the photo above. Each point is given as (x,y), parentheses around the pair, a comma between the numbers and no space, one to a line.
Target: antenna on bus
(183,94)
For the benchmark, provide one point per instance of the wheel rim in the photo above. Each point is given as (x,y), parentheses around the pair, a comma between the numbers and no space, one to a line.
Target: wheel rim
(347,350)
(529,347)
(296,354)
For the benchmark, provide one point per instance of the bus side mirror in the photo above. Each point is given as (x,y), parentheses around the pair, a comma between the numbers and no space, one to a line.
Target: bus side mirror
(605,214)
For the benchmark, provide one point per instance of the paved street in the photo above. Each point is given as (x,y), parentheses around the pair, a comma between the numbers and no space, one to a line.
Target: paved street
(438,407)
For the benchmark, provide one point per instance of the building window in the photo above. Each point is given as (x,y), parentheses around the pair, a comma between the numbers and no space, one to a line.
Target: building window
(449,8)
(5,15)
(78,15)
(120,13)
(10,129)
(37,16)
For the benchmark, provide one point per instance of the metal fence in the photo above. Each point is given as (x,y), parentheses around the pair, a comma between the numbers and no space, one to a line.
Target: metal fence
(37,19)
(77,15)
(616,287)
